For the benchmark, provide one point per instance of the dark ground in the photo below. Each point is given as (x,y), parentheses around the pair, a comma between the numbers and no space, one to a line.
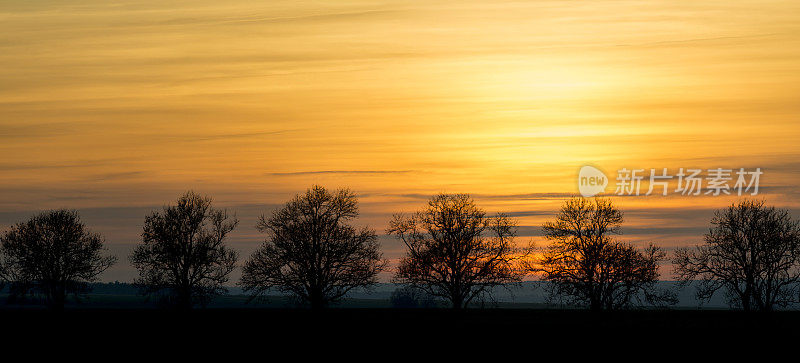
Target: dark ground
(381,323)
(113,316)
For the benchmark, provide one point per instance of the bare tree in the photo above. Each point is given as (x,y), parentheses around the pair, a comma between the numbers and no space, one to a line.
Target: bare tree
(585,265)
(312,251)
(183,253)
(752,253)
(454,251)
(53,254)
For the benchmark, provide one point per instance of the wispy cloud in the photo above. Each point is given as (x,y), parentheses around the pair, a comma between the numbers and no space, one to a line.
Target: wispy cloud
(119,176)
(342,172)
(240,135)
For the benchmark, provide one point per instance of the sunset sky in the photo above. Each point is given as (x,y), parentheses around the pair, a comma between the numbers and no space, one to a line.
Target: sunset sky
(116,108)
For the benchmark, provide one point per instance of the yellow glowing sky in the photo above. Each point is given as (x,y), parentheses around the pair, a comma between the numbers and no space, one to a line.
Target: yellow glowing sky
(114,108)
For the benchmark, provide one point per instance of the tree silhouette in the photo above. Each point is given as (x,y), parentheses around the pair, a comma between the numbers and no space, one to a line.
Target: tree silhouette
(183,253)
(454,251)
(312,252)
(53,254)
(585,265)
(752,252)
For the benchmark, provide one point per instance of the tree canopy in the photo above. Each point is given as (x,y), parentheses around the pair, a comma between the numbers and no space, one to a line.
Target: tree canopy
(53,254)
(454,251)
(751,253)
(586,265)
(313,251)
(183,256)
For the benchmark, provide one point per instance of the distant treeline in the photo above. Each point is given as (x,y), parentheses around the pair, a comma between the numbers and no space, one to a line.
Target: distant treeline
(456,255)
(526,294)
(100,288)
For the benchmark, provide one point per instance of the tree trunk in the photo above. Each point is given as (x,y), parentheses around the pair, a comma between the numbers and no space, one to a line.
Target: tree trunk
(184,298)
(746,303)
(317,300)
(317,304)
(595,303)
(458,301)
(57,298)
(746,299)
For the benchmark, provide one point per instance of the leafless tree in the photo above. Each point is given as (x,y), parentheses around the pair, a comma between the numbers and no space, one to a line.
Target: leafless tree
(52,254)
(585,265)
(455,252)
(183,253)
(752,253)
(312,251)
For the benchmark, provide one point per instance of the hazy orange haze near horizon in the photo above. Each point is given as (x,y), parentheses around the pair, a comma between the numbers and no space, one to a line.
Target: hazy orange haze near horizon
(116,108)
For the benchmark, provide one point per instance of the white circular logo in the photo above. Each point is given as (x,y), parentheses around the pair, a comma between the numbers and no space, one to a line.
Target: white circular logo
(591,181)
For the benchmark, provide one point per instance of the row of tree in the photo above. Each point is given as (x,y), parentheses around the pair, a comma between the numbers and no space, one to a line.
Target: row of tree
(454,252)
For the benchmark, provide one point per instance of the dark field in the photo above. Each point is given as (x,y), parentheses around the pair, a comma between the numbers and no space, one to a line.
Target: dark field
(114,313)
(235,325)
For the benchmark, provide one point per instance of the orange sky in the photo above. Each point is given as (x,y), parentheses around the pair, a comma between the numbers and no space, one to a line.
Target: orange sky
(115,108)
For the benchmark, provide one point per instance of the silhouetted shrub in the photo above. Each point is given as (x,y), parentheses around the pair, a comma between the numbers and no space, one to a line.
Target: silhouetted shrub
(312,251)
(455,252)
(183,253)
(53,254)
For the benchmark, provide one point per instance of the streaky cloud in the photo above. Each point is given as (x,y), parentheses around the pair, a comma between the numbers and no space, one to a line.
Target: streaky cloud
(342,172)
